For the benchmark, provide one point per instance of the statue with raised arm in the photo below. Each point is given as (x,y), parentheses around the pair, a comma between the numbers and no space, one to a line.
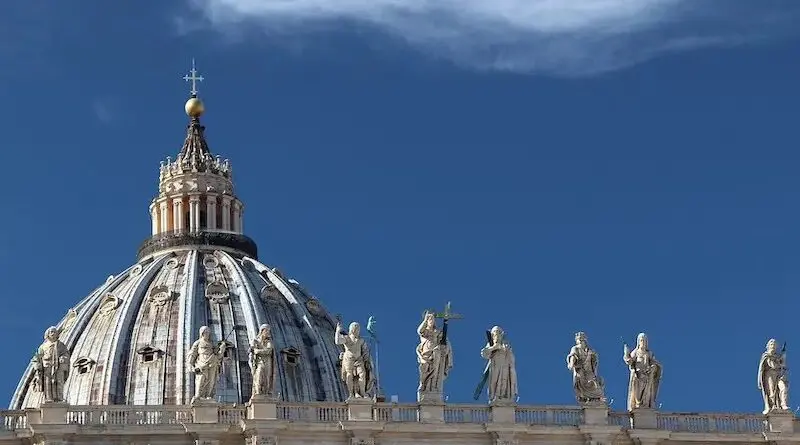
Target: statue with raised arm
(502,367)
(772,378)
(645,375)
(357,370)
(434,356)
(262,363)
(205,360)
(51,366)
(582,361)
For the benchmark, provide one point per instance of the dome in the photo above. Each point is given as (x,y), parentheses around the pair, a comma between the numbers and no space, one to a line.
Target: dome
(129,340)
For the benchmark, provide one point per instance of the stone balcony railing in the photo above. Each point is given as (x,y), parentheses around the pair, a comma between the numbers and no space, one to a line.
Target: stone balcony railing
(335,413)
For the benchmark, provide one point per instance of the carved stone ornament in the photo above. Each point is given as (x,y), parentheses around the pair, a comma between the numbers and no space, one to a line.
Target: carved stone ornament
(315,307)
(109,279)
(160,295)
(69,321)
(210,262)
(172,263)
(137,269)
(271,294)
(109,304)
(248,265)
(362,441)
(217,293)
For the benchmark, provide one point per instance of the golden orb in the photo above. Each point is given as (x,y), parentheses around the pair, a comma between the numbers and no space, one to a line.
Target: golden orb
(194,107)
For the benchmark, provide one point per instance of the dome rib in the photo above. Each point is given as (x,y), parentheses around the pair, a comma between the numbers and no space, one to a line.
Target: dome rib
(121,344)
(186,325)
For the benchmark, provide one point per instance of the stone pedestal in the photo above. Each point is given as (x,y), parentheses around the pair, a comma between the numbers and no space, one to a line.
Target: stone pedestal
(644,418)
(430,397)
(359,409)
(595,413)
(780,421)
(431,412)
(504,411)
(205,412)
(262,408)
(53,413)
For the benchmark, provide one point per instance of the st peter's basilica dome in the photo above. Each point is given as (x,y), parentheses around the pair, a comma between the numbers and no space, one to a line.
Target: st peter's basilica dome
(129,339)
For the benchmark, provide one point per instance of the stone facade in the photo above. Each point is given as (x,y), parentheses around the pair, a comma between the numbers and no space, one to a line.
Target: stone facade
(270,422)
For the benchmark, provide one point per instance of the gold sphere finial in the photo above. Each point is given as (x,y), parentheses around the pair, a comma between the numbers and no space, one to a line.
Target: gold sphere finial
(194,107)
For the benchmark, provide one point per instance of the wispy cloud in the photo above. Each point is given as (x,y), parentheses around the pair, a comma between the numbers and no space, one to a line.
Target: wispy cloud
(559,37)
(103,111)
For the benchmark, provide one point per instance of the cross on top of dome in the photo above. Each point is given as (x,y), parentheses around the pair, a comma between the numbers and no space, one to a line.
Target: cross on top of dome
(194,78)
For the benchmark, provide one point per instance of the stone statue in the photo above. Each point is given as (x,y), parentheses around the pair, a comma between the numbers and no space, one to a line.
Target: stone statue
(772,378)
(645,376)
(434,356)
(502,367)
(205,359)
(262,363)
(357,370)
(51,366)
(582,361)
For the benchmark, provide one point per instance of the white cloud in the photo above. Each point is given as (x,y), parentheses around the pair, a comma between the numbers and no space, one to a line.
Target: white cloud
(560,37)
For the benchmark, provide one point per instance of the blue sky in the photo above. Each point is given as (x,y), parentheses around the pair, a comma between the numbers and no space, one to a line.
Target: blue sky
(606,166)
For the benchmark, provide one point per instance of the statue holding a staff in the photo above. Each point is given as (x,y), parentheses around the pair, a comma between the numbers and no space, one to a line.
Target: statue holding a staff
(434,355)
(501,369)
(772,378)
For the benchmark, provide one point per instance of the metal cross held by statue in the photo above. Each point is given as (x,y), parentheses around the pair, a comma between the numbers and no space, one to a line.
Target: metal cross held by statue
(446,315)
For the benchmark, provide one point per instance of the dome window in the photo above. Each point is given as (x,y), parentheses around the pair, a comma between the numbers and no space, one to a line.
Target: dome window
(217,292)
(83,365)
(149,354)
(291,355)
